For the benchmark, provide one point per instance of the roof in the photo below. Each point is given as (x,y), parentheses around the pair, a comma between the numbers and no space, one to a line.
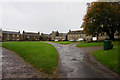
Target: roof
(62,34)
(31,34)
(46,35)
(11,32)
(76,32)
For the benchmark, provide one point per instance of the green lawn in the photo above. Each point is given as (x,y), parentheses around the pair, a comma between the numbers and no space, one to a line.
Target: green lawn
(63,42)
(42,56)
(109,58)
(83,44)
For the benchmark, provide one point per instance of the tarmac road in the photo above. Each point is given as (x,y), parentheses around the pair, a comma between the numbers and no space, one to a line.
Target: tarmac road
(76,63)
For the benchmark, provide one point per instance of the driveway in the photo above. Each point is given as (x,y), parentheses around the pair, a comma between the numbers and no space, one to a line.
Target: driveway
(76,63)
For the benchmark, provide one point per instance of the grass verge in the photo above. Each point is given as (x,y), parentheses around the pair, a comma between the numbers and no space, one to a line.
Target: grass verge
(92,44)
(108,58)
(63,42)
(42,56)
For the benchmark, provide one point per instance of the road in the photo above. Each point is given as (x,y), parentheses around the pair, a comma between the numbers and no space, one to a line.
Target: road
(76,63)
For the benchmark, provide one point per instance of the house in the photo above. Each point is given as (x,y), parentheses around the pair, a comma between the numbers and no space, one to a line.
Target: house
(30,36)
(0,35)
(61,37)
(45,37)
(76,35)
(53,35)
(11,36)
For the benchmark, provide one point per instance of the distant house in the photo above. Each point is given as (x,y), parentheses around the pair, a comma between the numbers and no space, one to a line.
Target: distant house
(45,37)
(76,35)
(11,36)
(30,36)
(53,35)
(61,37)
(0,35)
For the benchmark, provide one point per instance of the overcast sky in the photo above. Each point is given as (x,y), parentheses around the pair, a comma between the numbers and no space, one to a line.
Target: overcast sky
(42,16)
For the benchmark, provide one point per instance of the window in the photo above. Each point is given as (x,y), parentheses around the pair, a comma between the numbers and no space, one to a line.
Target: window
(28,36)
(17,35)
(7,36)
(13,35)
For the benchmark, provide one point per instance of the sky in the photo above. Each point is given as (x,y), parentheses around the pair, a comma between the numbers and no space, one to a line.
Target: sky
(43,17)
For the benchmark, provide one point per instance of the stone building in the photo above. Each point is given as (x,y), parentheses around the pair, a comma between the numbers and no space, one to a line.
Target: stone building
(76,35)
(30,36)
(45,37)
(53,35)
(61,37)
(0,35)
(11,36)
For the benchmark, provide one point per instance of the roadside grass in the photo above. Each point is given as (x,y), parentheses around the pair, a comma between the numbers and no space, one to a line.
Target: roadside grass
(108,58)
(92,44)
(63,42)
(42,56)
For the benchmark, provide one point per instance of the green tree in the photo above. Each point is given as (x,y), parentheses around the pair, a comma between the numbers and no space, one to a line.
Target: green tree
(102,17)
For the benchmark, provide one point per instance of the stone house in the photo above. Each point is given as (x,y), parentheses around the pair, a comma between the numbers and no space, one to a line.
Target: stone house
(45,37)
(0,35)
(53,35)
(30,36)
(61,37)
(75,35)
(11,36)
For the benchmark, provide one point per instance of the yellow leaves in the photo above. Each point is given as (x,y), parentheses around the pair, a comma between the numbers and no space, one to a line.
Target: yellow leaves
(98,9)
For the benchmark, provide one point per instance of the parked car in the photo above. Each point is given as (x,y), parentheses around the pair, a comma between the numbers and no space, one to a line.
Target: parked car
(71,40)
(80,39)
(56,40)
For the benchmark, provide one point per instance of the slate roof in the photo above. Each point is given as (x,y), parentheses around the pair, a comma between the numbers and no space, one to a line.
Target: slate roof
(31,34)
(11,32)
(47,35)
(62,34)
(76,32)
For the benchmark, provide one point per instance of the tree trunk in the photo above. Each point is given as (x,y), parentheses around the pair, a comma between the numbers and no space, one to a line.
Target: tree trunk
(111,36)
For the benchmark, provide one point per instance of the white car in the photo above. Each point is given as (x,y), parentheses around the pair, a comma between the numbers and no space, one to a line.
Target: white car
(56,40)
(80,39)
(71,40)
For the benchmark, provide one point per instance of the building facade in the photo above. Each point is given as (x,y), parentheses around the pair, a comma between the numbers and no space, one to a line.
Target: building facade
(76,35)
(11,36)
(45,37)
(61,37)
(53,35)
(29,36)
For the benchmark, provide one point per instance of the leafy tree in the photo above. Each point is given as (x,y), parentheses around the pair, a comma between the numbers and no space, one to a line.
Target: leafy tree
(40,38)
(102,17)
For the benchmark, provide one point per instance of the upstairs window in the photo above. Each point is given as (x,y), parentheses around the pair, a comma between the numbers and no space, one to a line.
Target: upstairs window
(17,35)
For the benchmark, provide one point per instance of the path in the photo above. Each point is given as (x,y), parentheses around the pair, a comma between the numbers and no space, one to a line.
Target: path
(14,66)
(75,63)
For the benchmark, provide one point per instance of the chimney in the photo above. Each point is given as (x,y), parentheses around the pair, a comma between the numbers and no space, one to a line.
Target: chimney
(23,32)
(69,30)
(18,31)
(38,32)
(52,31)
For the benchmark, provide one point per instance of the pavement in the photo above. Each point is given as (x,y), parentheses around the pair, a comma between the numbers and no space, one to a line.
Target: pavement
(14,66)
(77,63)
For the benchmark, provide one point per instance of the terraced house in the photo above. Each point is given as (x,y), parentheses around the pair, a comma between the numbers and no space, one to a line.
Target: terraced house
(53,35)
(76,35)
(11,36)
(30,36)
(45,37)
(61,37)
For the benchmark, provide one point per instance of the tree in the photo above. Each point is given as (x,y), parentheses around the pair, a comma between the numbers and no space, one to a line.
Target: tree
(102,17)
